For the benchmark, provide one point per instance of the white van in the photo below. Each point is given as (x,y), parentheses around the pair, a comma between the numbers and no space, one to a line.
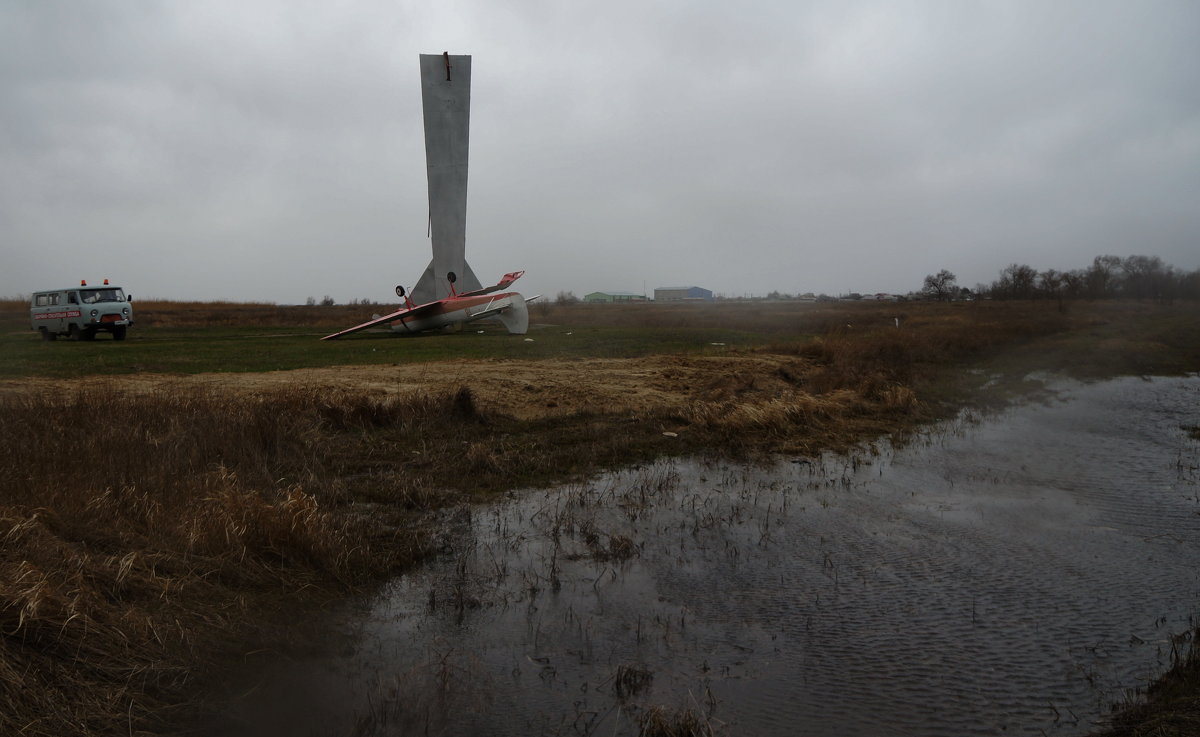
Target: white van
(81,312)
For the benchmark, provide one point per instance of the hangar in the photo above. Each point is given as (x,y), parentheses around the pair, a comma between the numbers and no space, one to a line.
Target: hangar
(682,294)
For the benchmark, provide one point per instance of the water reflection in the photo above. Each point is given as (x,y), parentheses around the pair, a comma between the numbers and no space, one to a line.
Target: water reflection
(1014,574)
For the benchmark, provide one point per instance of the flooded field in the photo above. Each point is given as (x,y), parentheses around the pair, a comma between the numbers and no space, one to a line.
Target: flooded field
(1016,574)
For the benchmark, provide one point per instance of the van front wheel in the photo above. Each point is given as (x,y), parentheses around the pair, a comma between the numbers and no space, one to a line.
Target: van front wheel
(73,332)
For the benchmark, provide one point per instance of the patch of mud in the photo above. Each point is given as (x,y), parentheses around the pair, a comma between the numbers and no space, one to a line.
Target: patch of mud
(1013,575)
(523,389)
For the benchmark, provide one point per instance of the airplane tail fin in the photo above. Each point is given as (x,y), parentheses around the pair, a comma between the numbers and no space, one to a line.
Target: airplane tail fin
(516,317)
(432,286)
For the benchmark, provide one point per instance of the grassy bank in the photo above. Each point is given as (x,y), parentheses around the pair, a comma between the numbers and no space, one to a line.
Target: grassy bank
(148,540)
(1171,706)
(152,538)
(239,338)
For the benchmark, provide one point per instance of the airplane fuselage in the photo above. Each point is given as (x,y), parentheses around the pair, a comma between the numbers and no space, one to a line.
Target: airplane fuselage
(456,311)
(509,308)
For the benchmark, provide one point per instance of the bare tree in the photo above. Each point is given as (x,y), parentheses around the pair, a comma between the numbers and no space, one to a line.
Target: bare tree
(1017,281)
(1073,283)
(1102,276)
(1147,277)
(1050,283)
(941,286)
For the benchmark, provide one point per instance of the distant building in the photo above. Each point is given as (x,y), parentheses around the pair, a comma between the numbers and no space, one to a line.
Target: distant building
(683,294)
(614,297)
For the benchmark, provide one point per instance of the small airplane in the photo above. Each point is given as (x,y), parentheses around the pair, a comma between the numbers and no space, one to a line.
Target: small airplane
(454,311)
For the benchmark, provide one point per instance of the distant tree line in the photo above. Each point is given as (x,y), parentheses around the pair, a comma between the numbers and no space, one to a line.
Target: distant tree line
(328,301)
(1109,277)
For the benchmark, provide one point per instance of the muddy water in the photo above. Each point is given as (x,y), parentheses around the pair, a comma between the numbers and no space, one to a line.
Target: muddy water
(1013,574)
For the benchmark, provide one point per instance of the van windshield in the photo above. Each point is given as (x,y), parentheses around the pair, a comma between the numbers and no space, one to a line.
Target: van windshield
(92,296)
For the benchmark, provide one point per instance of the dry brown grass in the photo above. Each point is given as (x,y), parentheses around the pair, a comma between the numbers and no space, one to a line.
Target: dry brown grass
(1172,704)
(144,535)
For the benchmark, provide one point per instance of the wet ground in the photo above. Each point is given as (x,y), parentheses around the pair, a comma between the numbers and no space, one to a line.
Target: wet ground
(1015,574)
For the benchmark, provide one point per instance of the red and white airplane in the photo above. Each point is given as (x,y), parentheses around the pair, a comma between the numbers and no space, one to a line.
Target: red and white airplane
(455,310)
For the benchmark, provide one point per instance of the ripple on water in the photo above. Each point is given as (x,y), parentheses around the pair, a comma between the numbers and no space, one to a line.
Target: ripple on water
(1016,574)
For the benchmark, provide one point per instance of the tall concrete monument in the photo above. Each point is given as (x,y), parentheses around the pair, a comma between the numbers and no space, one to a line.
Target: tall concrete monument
(446,102)
(448,295)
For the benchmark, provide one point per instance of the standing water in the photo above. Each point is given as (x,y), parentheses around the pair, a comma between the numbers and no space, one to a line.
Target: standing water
(1017,574)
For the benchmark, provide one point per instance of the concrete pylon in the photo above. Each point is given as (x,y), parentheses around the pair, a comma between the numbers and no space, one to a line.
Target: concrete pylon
(446,103)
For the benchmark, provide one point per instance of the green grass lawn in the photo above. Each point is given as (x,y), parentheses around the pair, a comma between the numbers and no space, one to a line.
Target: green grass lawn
(200,350)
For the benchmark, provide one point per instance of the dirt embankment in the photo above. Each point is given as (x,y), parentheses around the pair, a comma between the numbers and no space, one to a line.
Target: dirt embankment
(521,389)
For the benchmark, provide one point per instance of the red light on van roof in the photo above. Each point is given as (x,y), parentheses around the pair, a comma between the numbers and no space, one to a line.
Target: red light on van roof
(83,282)
(106,282)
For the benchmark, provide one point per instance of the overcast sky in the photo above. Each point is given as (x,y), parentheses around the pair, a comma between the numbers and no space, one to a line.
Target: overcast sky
(274,150)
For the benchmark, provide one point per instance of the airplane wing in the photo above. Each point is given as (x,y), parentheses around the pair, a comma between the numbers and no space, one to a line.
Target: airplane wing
(505,280)
(489,310)
(391,317)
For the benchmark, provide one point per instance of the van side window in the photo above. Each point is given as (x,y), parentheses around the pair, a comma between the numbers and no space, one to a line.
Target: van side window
(40,301)
(70,298)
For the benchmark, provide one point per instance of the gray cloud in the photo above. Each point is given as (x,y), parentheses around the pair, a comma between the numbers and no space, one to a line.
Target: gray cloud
(273,150)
